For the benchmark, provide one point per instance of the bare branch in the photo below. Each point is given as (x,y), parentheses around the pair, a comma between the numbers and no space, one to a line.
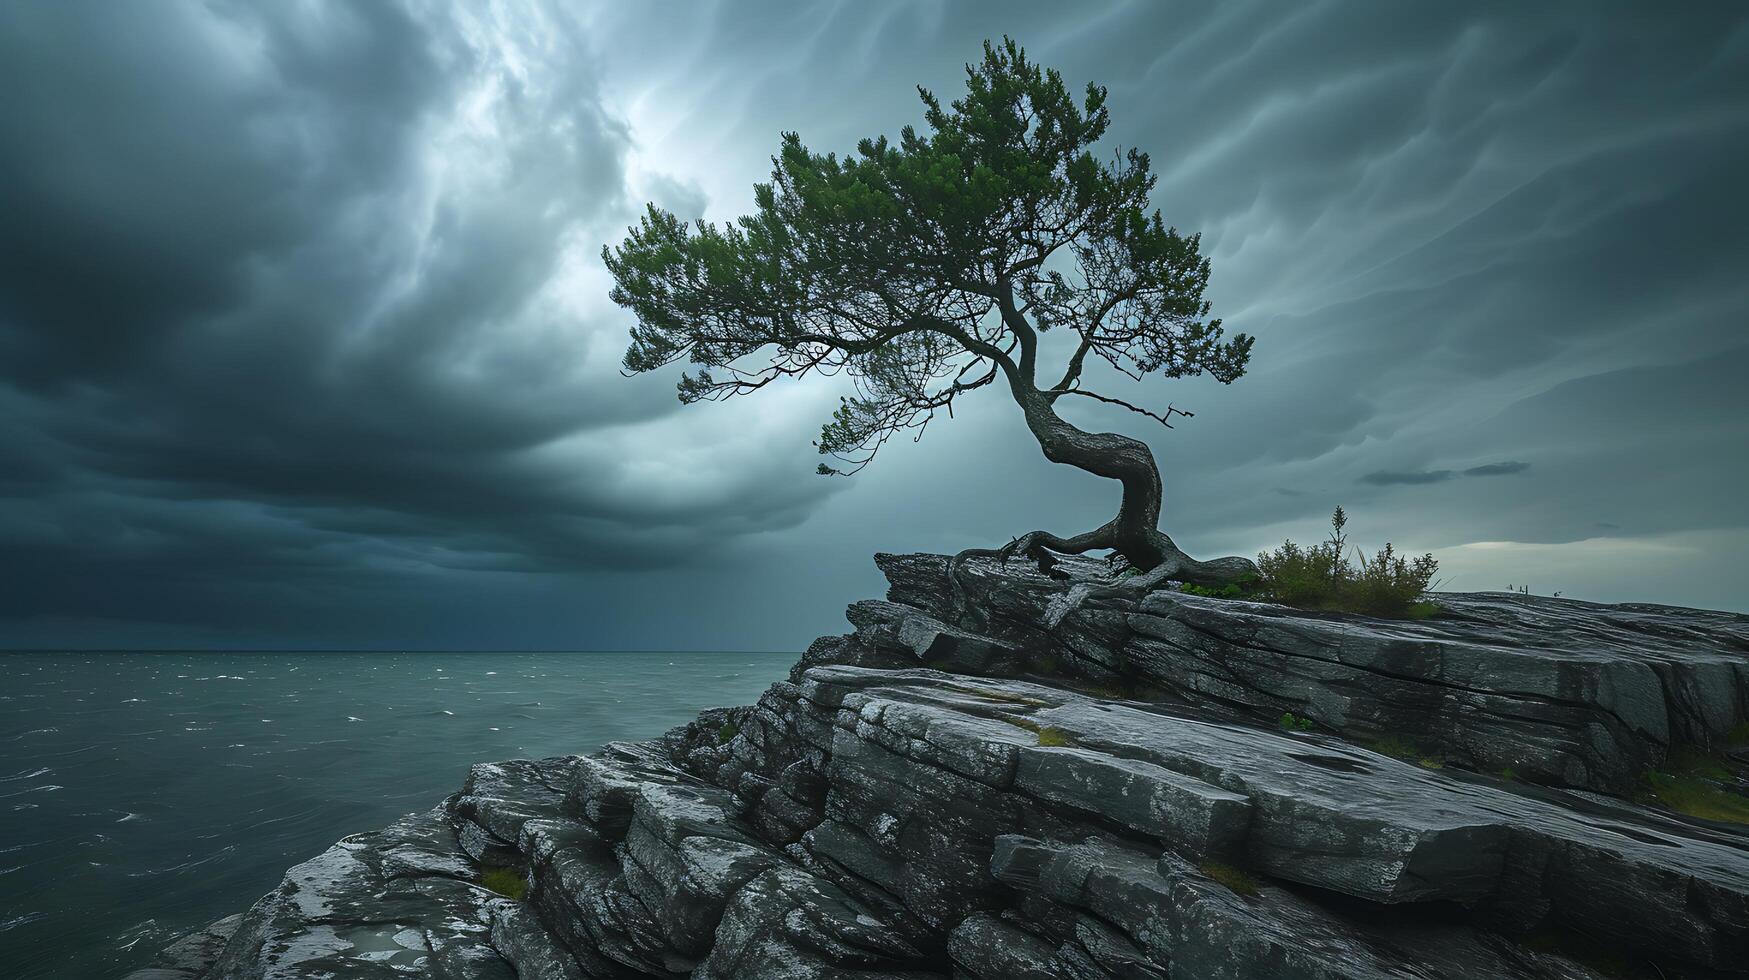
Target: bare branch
(1164,420)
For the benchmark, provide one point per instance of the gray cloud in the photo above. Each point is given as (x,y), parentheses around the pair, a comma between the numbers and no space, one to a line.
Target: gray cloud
(287,292)
(1394,478)
(1391,478)
(303,337)
(1497,469)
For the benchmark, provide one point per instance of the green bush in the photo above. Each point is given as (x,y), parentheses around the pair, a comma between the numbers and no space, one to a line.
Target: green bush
(1230,591)
(1323,577)
(1289,723)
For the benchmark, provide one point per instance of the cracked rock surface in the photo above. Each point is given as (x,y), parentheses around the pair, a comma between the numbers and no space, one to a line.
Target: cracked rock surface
(966,788)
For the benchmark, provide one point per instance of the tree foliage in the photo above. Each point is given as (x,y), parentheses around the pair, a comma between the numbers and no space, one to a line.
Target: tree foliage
(928,266)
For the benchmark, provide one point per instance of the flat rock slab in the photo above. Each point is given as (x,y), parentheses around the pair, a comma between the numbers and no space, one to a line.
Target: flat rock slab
(1335,816)
(1559,691)
(1176,915)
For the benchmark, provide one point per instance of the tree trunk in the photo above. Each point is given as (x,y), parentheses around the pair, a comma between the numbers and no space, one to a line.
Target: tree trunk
(1135,532)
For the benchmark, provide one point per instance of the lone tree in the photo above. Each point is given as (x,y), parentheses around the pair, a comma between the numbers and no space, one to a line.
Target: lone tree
(931,267)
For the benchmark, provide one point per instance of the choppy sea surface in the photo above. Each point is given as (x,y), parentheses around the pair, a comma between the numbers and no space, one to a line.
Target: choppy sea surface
(145,794)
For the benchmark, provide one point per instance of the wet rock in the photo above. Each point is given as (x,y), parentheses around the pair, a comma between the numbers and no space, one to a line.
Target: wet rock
(1193,926)
(1355,822)
(353,911)
(966,787)
(189,956)
(1560,691)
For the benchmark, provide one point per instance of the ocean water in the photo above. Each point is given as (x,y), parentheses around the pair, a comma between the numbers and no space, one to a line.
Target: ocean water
(145,794)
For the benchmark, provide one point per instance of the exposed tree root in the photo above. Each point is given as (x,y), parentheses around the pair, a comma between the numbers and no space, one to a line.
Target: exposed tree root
(1042,546)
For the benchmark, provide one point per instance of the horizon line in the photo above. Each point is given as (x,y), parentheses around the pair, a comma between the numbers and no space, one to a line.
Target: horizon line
(6,650)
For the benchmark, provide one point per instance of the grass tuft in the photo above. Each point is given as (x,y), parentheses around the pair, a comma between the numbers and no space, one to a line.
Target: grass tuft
(1396,748)
(1053,737)
(508,882)
(1695,783)
(1108,691)
(1237,881)
(727,732)
(1006,697)
(1697,797)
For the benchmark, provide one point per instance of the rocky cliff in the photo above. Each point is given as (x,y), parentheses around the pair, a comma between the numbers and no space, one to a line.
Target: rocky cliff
(974,785)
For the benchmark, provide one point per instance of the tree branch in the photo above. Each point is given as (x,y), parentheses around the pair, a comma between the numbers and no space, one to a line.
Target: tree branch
(1055,393)
(1021,329)
(1076,361)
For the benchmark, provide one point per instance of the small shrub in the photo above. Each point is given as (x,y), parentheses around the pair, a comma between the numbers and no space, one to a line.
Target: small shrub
(1053,737)
(727,732)
(1229,591)
(508,882)
(1237,881)
(1289,723)
(1509,774)
(1323,577)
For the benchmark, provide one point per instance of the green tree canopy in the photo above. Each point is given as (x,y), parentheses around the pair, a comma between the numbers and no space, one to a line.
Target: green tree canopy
(930,266)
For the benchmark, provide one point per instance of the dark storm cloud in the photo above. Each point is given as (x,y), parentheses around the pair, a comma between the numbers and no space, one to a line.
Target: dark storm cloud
(301,323)
(1392,478)
(290,290)
(1507,468)
(1411,478)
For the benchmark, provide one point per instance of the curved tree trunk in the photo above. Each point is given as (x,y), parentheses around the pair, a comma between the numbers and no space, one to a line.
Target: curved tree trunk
(1135,532)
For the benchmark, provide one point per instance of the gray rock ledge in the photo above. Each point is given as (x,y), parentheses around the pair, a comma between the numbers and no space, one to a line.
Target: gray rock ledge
(961,789)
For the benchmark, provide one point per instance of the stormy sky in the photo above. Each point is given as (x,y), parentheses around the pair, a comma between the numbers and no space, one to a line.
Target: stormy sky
(304,336)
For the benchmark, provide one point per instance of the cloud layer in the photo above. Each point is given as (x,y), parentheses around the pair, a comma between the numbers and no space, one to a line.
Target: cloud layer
(303,337)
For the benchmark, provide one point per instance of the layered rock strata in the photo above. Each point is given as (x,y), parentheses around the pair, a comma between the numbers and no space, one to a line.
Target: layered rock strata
(973,785)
